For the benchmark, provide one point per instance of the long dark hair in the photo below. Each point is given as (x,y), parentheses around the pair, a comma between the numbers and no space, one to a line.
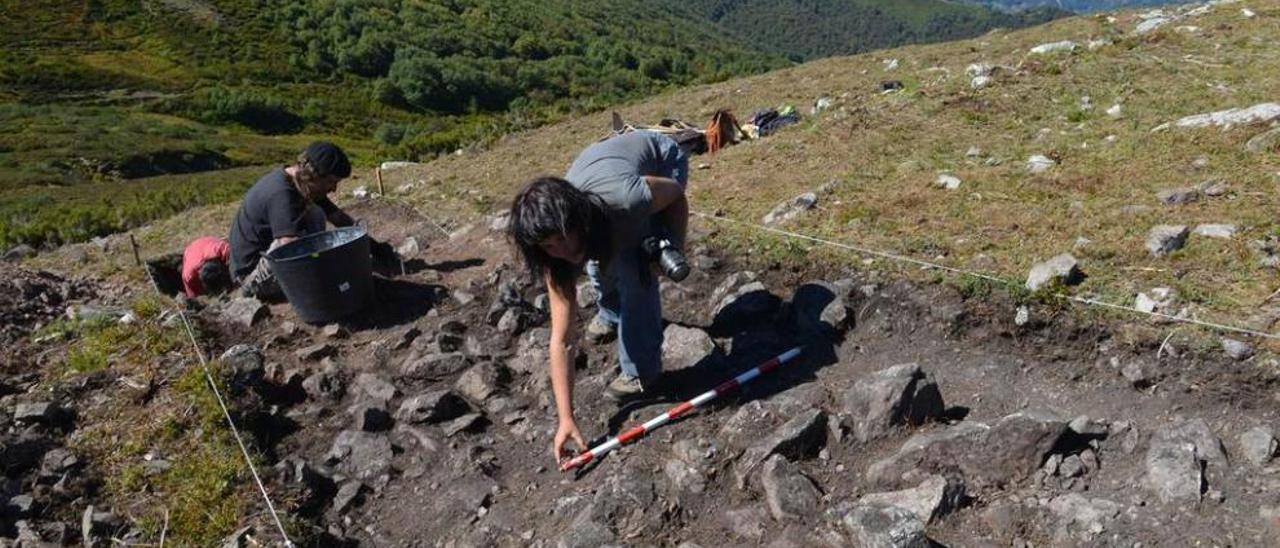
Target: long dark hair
(549,206)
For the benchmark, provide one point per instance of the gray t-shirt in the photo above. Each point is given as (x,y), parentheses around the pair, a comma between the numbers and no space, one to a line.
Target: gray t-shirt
(614,170)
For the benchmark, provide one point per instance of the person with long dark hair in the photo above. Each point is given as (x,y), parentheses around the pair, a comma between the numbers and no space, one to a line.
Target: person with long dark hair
(617,193)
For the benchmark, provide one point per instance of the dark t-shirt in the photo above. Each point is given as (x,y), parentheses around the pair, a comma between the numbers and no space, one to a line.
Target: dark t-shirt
(271,209)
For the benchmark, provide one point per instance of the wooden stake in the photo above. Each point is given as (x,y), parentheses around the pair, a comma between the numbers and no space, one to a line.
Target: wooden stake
(137,257)
(377,172)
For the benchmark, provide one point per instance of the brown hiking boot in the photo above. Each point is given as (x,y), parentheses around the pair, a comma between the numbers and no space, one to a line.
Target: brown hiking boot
(624,388)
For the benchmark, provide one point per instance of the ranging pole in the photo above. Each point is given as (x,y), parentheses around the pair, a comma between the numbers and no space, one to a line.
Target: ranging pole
(636,432)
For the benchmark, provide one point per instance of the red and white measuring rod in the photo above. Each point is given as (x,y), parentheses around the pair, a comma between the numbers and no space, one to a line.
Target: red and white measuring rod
(636,432)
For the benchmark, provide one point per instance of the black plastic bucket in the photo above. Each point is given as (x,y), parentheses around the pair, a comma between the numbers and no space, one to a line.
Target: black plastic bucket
(326,276)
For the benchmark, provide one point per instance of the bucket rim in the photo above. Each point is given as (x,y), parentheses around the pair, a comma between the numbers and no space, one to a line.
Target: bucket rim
(273,255)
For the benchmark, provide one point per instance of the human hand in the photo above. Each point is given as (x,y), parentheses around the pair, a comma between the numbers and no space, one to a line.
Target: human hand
(567,430)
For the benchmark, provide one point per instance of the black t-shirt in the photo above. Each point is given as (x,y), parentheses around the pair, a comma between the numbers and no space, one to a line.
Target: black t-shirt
(271,209)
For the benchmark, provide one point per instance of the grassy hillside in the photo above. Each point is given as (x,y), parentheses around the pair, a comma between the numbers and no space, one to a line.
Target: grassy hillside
(808,29)
(1076,6)
(99,92)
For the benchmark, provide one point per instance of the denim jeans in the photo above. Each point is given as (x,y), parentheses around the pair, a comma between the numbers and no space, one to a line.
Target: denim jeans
(627,296)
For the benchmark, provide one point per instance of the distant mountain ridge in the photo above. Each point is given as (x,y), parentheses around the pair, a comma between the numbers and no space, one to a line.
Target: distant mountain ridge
(1076,6)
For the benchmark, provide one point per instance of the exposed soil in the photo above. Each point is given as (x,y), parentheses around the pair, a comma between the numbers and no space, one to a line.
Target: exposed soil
(493,482)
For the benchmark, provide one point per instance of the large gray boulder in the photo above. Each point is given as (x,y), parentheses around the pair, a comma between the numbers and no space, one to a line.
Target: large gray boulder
(788,493)
(1258,444)
(884,526)
(1165,239)
(924,451)
(935,497)
(482,381)
(687,347)
(433,366)
(1174,471)
(1198,433)
(363,455)
(1063,269)
(900,395)
(245,312)
(791,209)
(432,407)
(801,437)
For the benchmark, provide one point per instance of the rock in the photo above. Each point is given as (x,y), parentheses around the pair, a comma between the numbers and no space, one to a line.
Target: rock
(469,422)
(1116,111)
(1015,447)
(432,407)
(335,331)
(1237,350)
(979,69)
(947,181)
(687,347)
(788,493)
(1258,444)
(1174,472)
(1071,467)
(409,248)
(1083,516)
(433,366)
(375,387)
(946,446)
(980,82)
(482,381)
(1198,433)
(326,385)
(900,395)
(1084,426)
(1148,25)
(801,437)
(973,153)
(1257,114)
(19,252)
(242,538)
(44,413)
(1063,269)
(1040,163)
(1178,196)
(1165,239)
(791,209)
(628,503)
(58,462)
(393,165)
(1267,141)
(1158,299)
(1213,188)
(587,295)
(463,298)
(884,526)
(20,506)
(1022,316)
(1221,231)
(932,499)
(95,525)
(822,309)
(245,312)
(316,352)
(1054,47)
(1139,372)
(746,523)
(349,496)
(371,418)
(751,303)
(684,476)
(362,455)
(586,535)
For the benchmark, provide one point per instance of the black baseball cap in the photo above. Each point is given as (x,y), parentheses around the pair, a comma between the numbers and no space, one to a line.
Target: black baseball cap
(327,159)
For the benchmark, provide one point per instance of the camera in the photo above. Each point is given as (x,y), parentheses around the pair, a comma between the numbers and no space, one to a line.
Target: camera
(668,256)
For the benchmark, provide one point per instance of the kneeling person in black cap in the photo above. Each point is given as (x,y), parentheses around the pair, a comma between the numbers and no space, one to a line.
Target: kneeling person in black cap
(284,205)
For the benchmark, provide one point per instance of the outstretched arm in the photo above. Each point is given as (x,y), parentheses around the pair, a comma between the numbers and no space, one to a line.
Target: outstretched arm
(562,316)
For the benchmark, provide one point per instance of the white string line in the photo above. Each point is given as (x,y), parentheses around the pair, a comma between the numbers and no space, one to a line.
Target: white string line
(204,364)
(980,275)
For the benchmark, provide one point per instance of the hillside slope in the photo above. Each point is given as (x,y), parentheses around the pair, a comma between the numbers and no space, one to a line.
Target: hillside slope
(809,30)
(1076,6)
(1061,425)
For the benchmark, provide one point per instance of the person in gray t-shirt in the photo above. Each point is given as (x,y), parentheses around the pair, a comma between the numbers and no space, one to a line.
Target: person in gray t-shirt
(617,193)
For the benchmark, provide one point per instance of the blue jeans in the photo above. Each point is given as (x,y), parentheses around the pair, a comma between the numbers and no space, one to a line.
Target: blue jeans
(628,298)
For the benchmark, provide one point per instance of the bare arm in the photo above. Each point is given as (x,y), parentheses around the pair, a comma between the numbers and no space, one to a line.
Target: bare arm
(669,202)
(562,337)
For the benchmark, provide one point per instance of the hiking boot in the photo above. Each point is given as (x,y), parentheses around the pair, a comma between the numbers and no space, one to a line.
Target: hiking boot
(624,388)
(601,330)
